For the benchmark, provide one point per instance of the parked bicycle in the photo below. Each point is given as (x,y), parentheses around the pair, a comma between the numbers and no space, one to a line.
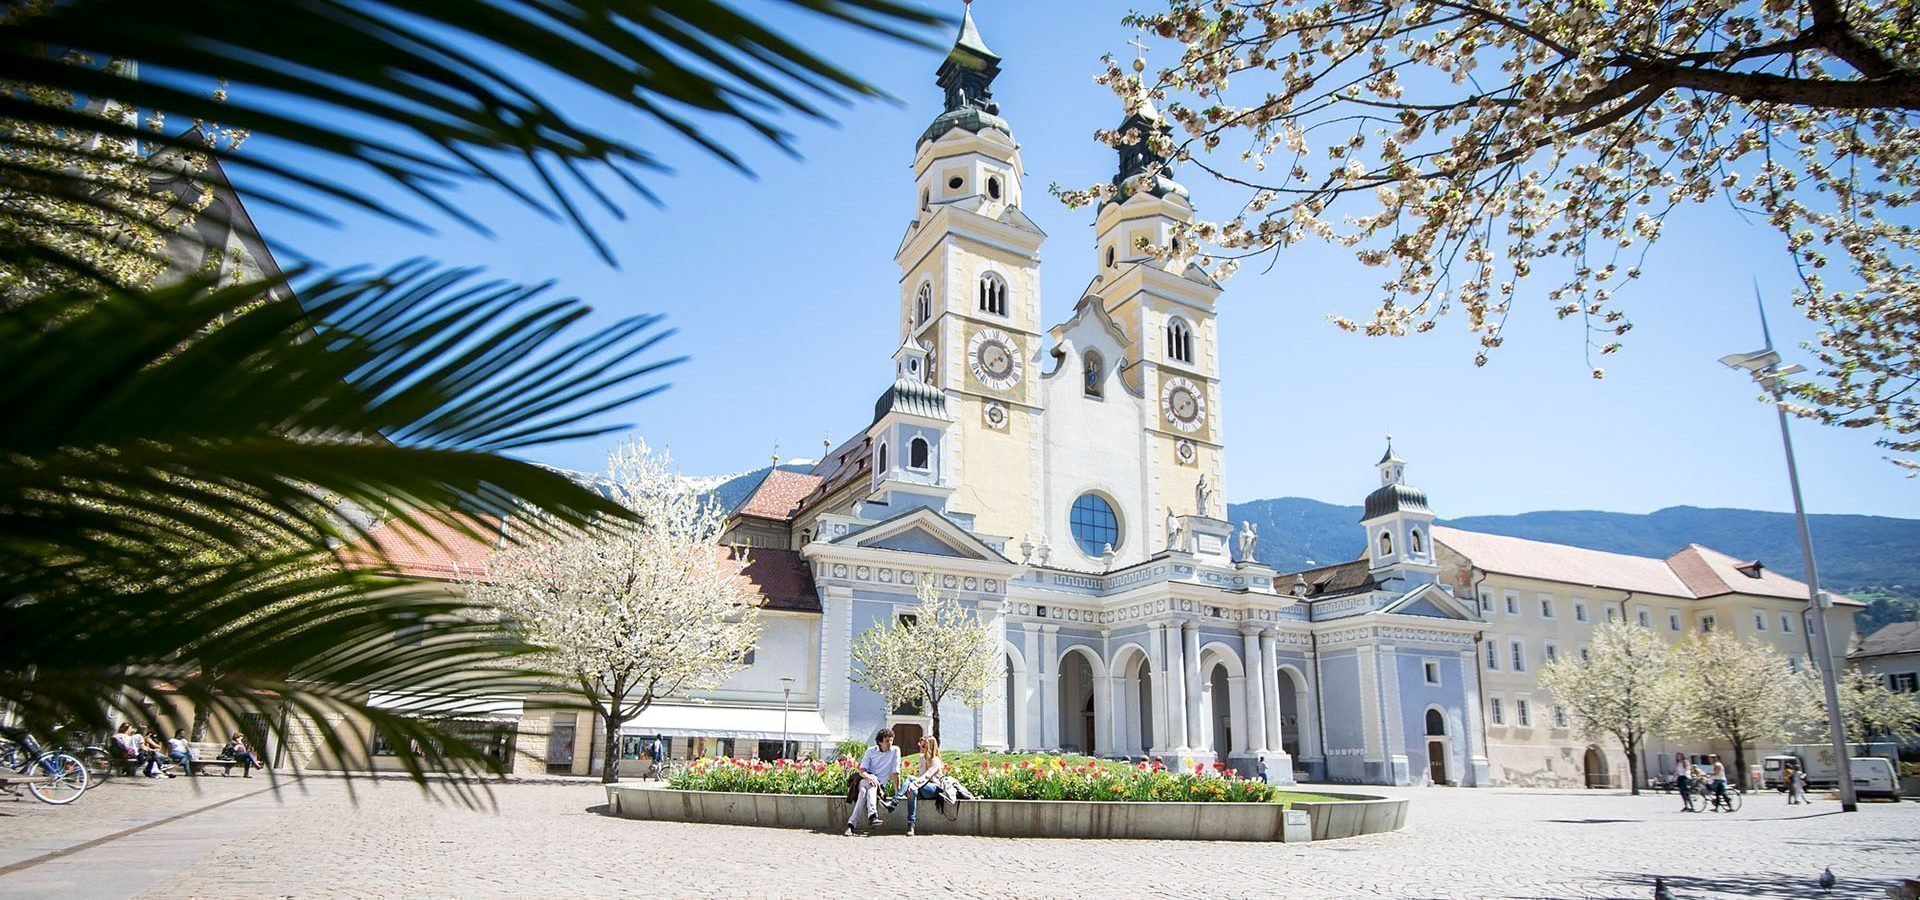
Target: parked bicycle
(52,776)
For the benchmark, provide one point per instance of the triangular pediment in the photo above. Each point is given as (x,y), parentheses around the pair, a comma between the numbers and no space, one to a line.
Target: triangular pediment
(923,531)
(1429,601)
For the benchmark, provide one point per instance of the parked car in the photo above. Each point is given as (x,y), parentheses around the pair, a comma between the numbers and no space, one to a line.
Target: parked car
(1873,777)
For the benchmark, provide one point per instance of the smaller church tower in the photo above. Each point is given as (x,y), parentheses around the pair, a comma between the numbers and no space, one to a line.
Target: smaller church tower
(909,437)
(1399,528)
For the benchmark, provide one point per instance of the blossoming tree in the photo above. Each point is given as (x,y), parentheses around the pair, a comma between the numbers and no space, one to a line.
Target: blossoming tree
(632,611)
(1621,689)
(1872,712)
(1465,145)
(940,650)
(1740,692)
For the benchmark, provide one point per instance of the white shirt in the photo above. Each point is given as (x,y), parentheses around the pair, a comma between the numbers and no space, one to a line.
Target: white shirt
(881,764)
(176,745)
(1719,772)
(129,742)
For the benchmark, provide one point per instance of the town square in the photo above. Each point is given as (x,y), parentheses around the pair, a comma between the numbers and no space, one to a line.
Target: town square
(782,449)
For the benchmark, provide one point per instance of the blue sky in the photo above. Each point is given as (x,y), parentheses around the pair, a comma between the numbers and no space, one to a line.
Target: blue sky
(783,290)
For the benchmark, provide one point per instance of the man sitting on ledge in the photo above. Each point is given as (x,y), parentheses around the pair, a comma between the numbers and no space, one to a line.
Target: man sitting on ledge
(879,768)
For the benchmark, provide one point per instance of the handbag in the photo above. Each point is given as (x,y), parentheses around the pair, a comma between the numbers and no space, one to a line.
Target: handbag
(853,785)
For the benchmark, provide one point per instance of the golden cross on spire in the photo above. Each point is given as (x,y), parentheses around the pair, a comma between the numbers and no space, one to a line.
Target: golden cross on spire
(1139,52)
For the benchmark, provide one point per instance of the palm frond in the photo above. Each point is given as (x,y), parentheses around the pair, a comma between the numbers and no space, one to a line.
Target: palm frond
(358,73)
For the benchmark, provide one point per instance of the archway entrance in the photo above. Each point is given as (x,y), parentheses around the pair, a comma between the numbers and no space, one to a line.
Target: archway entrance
(1078,724)
(1596,767)
(1291,694)
(1133,722)
(1437,747)
(1220,728)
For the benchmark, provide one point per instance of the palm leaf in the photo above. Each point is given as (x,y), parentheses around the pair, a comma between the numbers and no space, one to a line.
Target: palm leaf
(413,90)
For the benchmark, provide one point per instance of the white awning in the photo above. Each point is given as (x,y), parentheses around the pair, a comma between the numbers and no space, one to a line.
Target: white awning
(751,722)
(447,706)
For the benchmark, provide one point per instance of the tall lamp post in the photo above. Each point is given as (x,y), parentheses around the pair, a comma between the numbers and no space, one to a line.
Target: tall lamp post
(786,699)
(1764,365)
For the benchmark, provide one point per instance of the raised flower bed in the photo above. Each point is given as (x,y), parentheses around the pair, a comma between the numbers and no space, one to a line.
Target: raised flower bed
(1019,798)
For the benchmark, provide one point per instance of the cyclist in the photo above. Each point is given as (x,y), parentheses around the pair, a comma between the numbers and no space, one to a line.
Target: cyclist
(1717,783)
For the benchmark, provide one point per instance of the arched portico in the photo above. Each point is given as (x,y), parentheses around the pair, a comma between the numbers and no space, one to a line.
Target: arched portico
(1299,733)
(1222,700)
(1134,719)
(1083,702)
(1018,688)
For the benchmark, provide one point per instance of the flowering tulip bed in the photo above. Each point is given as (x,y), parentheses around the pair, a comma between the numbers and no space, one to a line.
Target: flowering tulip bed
(988,779)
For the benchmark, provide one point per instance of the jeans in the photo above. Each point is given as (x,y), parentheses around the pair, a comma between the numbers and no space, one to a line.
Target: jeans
(185,761)
(927,791)
(1684,783)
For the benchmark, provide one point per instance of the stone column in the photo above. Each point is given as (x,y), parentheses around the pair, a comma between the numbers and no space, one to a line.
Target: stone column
(1026,729)
(1176,691)
(1257,689)
(1190,656)
(1270,668)
(1050,689)
(1157,687)
(993,715)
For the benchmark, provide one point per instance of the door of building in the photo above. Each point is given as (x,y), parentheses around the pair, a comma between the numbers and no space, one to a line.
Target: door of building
(906,736)
(560,748)
(1596,766)
(1437,761)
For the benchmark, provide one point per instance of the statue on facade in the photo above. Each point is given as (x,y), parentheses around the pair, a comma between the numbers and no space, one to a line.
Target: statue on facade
(1203,497)
(1249,541)
(1173,531)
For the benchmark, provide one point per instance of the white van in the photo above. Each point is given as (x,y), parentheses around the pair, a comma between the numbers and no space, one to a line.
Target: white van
(1873,777)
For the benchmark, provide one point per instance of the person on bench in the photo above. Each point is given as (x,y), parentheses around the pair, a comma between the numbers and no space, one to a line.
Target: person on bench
(178,752)
(238,751)
(155,753)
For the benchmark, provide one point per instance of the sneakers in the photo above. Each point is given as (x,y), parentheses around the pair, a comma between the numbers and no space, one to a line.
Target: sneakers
(909,829)
(889,803)
(849,831)
(873,821)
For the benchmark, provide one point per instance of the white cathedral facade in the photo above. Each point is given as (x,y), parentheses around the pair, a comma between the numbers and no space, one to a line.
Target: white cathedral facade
(1068,481)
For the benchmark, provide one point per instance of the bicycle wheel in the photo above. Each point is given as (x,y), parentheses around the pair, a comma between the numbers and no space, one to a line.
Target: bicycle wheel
(1733,801)
(66,778)
(1693,803)
(99,764)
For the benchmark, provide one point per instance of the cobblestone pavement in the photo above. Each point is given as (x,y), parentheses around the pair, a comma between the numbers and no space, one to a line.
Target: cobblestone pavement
(552,839)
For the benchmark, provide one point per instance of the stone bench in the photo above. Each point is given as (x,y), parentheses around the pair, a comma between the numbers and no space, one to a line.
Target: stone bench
(1354,814)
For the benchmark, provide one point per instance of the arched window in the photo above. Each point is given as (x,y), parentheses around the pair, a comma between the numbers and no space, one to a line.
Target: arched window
(993,187)
(1094,370)
(1413,542)
(1436,724)
(1179,340)
(1109,256)
(917,453)
(880,462)
(933,366)
(926,198)
(923,305)
(993,294)
(1386,540)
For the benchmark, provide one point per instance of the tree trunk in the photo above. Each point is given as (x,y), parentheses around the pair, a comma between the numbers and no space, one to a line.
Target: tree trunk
(202,713)
(1740,761)
(610,765)
(934,709)
(1633,765)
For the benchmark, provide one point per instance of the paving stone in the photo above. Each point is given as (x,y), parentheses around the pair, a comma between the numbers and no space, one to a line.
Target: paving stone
(551,838)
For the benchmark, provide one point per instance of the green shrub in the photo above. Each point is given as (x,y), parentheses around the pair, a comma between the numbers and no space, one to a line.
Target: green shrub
(989,779)
(851,748)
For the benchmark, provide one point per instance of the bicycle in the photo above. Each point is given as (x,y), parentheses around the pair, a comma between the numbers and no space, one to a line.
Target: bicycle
(1714,802)
(51,776)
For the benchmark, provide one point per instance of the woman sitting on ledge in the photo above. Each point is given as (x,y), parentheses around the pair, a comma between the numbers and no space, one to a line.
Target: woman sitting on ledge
(927,784)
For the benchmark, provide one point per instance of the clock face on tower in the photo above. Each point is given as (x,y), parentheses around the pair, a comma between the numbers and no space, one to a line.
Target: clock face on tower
(1185,407)
(994,358)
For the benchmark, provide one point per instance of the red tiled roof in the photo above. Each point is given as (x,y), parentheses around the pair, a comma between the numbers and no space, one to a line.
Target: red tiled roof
(1559,562)
(442,551)
(781,577)
(1711,573)
(778,495)
(436,549)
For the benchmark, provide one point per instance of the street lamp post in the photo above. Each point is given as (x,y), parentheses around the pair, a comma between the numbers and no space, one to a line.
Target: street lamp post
(1764,365)
(786,699)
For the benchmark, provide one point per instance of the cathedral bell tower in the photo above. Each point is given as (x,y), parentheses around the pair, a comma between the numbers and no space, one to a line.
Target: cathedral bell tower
(970,291)
(1399,528)
(1150,286)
